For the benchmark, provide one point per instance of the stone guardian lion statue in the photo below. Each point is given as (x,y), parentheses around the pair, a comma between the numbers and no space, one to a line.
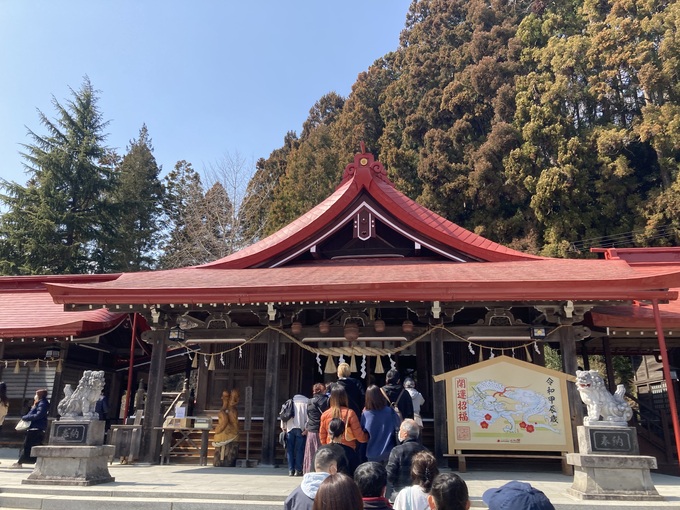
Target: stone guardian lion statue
(613,409)
(81,401)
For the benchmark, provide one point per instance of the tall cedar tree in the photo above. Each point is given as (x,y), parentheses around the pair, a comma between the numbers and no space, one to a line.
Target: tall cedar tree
(183,203)
(139,198)
(546,126)
(55,223)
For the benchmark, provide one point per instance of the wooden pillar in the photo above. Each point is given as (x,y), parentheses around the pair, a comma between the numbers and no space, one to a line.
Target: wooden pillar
(270,429)
(439,398)
(201,386)
(606,348)
(584,354)
(151,437)
(569,366)
(113,393)
(59,379)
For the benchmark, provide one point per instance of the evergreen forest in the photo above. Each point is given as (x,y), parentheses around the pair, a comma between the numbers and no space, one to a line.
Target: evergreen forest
(548,126)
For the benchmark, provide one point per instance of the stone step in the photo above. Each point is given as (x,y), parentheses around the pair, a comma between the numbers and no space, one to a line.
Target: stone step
(48,491)
(45,501)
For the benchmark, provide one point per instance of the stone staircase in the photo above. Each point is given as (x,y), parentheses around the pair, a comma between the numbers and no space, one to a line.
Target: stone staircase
(58,498)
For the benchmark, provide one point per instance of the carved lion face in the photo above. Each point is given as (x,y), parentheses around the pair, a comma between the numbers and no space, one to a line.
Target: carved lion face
(588,380)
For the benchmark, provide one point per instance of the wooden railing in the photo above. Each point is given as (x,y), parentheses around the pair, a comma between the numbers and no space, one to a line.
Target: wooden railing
(655,427)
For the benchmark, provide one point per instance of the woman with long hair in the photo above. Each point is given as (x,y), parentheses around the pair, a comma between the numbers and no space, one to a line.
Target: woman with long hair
(317,405)
(4,403)
(339,408)
(338,492)
(423,471)
(36,432)
(381,422)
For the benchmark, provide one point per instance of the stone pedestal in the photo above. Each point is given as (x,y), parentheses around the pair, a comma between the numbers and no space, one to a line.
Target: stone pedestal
(609,466)
(76,455)
(71,465)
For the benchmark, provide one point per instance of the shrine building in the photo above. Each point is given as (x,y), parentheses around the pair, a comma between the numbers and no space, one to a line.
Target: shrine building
(369,277)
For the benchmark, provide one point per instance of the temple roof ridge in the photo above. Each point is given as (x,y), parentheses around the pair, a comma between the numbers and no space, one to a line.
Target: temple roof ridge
(366,175)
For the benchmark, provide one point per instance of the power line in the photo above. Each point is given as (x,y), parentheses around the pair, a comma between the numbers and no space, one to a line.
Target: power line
(614,240)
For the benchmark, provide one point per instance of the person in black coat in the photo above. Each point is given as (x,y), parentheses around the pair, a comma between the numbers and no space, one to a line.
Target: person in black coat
(36,432)
(315,408)
(353,387)
(396,393)
(401,456)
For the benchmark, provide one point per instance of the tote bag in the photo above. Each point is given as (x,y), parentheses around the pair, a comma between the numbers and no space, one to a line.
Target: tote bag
(23,425)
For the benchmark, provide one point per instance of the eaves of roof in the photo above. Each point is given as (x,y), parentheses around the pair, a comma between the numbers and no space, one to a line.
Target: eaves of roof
(381,280)
(644,261)
(25,314)
(637,315)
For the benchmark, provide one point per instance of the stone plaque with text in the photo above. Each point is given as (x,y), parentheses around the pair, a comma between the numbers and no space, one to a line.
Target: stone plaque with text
(615,440)
(69,433)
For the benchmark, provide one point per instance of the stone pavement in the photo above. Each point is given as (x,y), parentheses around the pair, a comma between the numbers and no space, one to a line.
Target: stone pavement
(192,487)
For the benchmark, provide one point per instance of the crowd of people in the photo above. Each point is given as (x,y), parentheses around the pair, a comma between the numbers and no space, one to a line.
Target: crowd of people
(329,488)
(364,424)
(359,449)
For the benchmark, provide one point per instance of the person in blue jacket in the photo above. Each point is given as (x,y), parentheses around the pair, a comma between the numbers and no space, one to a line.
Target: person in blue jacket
(36,432)
(381,422)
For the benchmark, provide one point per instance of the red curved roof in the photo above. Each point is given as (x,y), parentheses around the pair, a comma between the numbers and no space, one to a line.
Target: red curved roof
(641,315)
(252,276)
(368,176)
(28,311)
(380,279)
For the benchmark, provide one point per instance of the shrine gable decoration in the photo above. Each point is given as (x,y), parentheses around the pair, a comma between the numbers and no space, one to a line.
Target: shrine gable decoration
(507,404)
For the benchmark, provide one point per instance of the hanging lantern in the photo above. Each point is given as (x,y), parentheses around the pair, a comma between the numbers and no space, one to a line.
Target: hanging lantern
(52,352)
(330,366)
(379,326)
(176,334)
(379,366)
(296,328)
(351,331)
(407,326)
(324,327)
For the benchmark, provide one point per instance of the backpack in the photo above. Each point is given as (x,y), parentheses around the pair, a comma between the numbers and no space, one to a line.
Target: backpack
(287,410)
(394,405)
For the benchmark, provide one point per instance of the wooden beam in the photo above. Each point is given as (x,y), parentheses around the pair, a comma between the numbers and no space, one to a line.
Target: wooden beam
(439,398)
(611,381)
(151,437)
(584,355)
(569,366)
(201,387)
(270,429)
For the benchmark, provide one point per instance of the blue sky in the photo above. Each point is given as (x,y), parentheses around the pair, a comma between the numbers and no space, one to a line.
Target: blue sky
(207,77)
